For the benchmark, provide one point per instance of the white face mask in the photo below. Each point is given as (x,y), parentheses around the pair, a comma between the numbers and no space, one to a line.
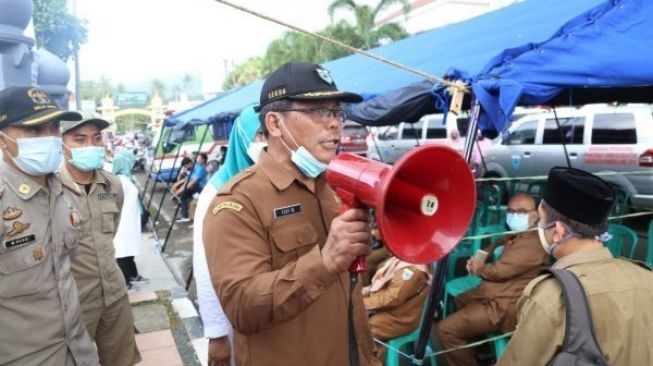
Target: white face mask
(549,248)
(38,156)
(517,221)
(303,159)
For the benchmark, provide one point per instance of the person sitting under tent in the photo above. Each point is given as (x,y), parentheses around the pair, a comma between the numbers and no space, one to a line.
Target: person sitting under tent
(394,299)
(492,306)
(196,182)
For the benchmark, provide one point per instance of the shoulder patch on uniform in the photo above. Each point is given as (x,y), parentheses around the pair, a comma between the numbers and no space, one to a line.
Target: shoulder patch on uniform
(227,187)
(227,204)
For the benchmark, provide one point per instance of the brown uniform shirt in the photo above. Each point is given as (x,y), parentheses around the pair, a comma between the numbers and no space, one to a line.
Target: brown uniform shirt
(99,280)
(397,307)
(40,316)
(620,296)
(262,237)
(522,260)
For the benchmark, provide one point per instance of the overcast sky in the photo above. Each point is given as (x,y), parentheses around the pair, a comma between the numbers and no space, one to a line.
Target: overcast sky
(138,40)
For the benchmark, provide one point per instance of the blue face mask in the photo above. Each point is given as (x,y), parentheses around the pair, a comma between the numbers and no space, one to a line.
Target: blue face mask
(87,158)
(304,160)
(38,156)
(517,221)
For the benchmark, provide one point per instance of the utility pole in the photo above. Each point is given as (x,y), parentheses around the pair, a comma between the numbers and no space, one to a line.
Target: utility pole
(78,97)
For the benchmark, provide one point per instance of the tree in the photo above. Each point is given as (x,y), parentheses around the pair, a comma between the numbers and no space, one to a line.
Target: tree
(366,18)
(187,83)
(245,73)
(57,30)
(157,87)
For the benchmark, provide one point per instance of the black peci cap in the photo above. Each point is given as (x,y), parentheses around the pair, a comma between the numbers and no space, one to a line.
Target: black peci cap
(579,195)
(27,106)
(302,81)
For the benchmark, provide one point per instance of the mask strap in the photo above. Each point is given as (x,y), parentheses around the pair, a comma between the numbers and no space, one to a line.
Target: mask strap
(283,123)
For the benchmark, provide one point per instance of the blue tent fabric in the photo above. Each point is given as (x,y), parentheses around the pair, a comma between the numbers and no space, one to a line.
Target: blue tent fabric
(608,46)
(466,45)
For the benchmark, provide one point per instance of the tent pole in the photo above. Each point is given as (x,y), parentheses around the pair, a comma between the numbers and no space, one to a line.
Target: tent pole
(434,299)
(562,136)
(174,217)
(163,195)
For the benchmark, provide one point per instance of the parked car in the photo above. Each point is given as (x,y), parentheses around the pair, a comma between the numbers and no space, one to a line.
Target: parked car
(599,138)
(390,143)
(353,138)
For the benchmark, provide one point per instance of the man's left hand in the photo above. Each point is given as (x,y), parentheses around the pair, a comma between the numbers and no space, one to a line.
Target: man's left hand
(473,266)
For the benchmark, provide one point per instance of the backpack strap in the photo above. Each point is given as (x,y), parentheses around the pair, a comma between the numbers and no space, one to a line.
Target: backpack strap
(580,338)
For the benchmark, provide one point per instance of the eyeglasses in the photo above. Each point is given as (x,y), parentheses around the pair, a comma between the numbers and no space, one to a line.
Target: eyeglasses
(518,211)
(323,114)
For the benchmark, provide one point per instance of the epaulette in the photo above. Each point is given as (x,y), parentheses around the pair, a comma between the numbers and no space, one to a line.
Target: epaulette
(243,175)
(636,262)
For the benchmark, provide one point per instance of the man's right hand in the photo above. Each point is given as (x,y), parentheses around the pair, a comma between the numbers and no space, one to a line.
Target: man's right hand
(349,237)
(219,352)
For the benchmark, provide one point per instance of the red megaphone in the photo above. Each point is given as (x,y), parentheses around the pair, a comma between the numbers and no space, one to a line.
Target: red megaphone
(424,203)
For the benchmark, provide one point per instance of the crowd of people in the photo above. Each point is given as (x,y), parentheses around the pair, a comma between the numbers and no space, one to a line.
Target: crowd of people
(272,252)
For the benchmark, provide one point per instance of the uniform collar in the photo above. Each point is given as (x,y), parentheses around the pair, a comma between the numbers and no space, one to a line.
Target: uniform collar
(69,182)
(23,186)
(281,175)
(583,257)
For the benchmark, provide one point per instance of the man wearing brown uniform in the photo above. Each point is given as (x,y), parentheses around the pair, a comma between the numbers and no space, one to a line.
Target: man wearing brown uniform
(493,305)
(395,299)
(102,290)
(40,316)
(574,211)
(277,251)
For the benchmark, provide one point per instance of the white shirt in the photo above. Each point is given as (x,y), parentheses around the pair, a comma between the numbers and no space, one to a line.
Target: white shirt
(127,240)
(215,322)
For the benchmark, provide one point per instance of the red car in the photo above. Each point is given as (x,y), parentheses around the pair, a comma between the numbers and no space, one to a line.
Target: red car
(353,139)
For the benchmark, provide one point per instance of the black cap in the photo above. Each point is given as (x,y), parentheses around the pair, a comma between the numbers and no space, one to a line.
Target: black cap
(303,81)
(27,106)
(579,195)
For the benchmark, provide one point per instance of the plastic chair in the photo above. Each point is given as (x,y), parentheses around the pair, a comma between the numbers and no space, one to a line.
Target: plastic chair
(649,250)
(624,241)
(392,357)
(468,248)
(459,285)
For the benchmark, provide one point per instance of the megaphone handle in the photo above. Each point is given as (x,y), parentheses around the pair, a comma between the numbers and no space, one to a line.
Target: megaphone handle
(359,265)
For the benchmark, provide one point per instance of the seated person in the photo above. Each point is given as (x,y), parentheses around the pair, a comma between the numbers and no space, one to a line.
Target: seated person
(492,306)
(196,182)
(394,300)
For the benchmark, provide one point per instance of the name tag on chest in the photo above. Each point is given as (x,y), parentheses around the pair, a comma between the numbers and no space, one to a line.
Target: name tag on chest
(106,196)
(19,241)
(286,211)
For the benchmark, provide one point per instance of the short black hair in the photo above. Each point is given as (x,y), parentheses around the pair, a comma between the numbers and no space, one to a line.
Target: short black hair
(274,106)
(186,161)
(204,156)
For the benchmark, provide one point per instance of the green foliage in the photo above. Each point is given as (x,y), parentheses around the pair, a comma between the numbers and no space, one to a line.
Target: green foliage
(366,18)
(157,87)
(57,30)
(96,90)
(294,46)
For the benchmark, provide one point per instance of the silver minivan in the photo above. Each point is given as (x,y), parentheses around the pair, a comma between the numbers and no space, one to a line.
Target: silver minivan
(599,138)
(388,144)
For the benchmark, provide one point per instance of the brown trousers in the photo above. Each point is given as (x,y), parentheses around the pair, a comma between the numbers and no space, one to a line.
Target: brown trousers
(469,322)
(112,330)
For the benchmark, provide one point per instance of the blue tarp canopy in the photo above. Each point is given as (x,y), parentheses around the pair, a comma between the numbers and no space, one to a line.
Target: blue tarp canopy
(466,45)
(602,55)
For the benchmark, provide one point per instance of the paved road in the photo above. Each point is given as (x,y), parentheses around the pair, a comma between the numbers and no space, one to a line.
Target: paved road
(179,246)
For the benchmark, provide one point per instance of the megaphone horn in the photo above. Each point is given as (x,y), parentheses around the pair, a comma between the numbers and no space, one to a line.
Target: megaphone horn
(424,204)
